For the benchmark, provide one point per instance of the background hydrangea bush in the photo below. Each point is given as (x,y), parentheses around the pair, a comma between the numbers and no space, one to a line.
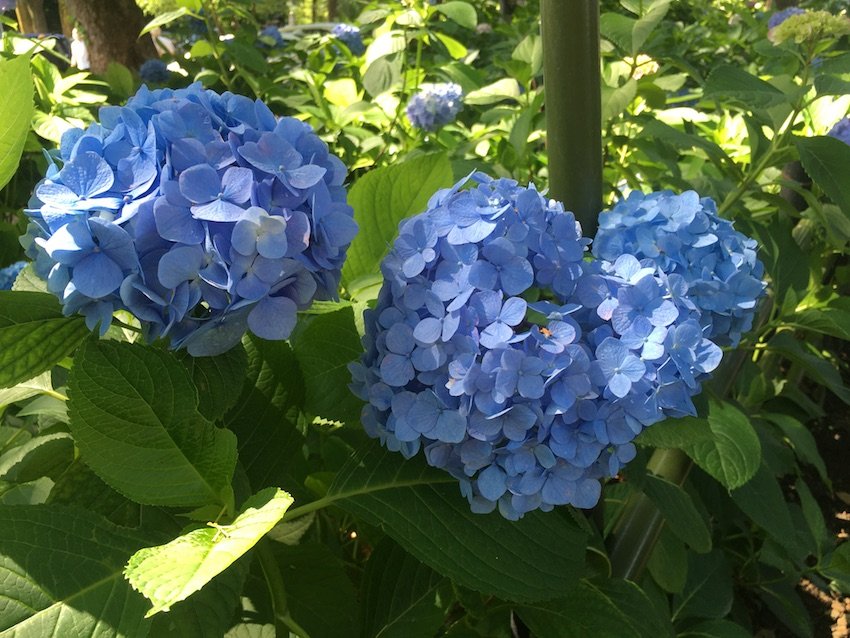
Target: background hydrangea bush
(526,371)
(201,214)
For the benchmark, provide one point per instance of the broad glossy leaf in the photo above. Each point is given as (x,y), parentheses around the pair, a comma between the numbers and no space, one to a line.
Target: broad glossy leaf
(462,13)
(730,84)
(169,573)
(218,380)
(827,160)
(708,589)
(61,575)
(135,419)
(15,113)
(401,596)
(34,335)
(605,608)
(539,557)
(679,512)
(46,455)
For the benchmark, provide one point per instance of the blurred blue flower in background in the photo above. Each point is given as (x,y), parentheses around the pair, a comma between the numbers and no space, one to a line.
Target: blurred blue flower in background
(350,36)
(530,404)
(434,105)
(154,71)
(781,16)
(202,214)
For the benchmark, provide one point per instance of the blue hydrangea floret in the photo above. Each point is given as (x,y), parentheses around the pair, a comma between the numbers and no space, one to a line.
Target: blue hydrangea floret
(523,367)
(841,130)
(154,71)
(350,36)
(434,105)
(203,215)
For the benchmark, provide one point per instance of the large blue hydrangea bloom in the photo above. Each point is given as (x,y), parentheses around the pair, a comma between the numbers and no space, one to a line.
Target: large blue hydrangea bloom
(519,366)
(202,214)
(434,105)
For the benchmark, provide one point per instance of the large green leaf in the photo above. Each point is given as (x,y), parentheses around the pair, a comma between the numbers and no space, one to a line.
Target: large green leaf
(264,417)
(679,512)
(34,335)
(25,390)
(462,13)
(218,380)
(400,596)
(730,84)
(732,454)
(15,113)
(607,608)
(384,197)
(708,589)
(319,594)
(46,455)
(170,573)
(324,345)
(135,418)
(539,557)
(61,575)
(827,161)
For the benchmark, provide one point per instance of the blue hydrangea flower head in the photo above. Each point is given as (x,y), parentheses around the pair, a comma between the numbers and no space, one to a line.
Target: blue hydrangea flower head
(270,36)
(9,274)
(706,262)
(435,105)
(203,215)
(350,36)
(531,404)
(154,71)
(841,130)
(781,16)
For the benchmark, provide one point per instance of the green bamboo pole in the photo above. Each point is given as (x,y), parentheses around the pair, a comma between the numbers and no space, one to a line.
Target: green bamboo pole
(571,70)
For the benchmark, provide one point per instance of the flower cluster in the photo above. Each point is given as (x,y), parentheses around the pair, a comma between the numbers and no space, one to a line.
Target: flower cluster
(154,71)
(9,274)
(841,130)
(434,105)
(202,214)
(270,36)
(519,366)
(350,36)
(809,26)
(781,16)
(705,260)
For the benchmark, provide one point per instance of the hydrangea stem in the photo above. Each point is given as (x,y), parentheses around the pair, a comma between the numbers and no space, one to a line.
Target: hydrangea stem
(571,70)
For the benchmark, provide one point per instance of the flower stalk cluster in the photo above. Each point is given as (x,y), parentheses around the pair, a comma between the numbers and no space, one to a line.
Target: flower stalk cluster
(524,368)
(201,214)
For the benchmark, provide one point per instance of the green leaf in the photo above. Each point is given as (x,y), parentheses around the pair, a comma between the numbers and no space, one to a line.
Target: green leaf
(217,379)
(120,80)
(668,562)
(25,390)
(504,89)
(61,574)
(170,573)
(165,18)
(827,160)
(422,509)
(134,408)
(319,594)
(716,629)
(16,111)
(646,24)
(801,441)
(455,49)
(730,84)
(34,335)
(28,281)
(816,366)
(46,455)
(401,596)
(381,75)
(31,493)
(733,453)
(384,197)
(675,433)
(264,418)
(607,608)
(462,13)
(616,100)
(762,500)
(708,589)
(324,345)
(679,512)
(617,29)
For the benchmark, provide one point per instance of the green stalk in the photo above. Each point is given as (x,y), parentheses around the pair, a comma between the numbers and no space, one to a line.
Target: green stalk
(571,69)
(284,623)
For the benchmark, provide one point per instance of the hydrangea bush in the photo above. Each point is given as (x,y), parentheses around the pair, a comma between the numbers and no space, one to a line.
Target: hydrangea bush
(434,106)
(350,36)
(524,369)
(201,214)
